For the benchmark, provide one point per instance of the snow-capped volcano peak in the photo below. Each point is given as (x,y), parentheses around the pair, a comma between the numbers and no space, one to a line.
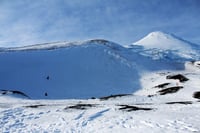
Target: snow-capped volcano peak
(158,34)
(163,40)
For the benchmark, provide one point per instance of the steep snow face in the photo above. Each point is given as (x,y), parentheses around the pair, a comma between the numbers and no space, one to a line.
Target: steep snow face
(163,40)
(92,69)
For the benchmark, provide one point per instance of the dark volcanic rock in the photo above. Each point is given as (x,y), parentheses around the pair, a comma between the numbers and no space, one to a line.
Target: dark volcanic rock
(133,108)
(180,77)
(13,92)
(162,85)
(170,90)
(113,96)
(81,106)
(35,106)
(182,102)
(196,95)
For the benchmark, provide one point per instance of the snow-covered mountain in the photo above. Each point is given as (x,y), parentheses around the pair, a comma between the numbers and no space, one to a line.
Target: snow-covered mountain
(160,45)
(165,41)
(131,88)
(86,69)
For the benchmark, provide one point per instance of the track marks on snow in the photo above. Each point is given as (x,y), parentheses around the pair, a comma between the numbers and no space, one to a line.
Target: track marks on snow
(181,125)
(98,114)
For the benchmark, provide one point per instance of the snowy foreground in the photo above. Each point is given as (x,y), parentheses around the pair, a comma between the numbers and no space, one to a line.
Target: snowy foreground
(173,112)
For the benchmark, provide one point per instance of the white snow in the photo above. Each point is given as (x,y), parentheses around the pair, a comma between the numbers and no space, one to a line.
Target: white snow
(106,116)
(67,72)
(192,65)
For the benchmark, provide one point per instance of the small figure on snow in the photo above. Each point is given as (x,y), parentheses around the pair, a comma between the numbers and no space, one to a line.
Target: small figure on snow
(47,77)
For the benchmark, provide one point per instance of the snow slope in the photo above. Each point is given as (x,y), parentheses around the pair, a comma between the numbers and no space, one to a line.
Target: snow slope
(86,69)
(71,70)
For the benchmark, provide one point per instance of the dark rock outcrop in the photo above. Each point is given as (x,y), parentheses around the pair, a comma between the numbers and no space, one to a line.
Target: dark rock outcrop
(180,77)
(182,102)
(170,90)
(196,95)
(133,108)
(81,106)
(113,96)
(13,92)
(162,85)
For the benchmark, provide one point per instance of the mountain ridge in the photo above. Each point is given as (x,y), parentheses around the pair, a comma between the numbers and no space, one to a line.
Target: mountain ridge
(62,44)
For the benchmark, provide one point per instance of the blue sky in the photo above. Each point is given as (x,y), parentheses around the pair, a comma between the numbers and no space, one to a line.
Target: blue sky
(26,22)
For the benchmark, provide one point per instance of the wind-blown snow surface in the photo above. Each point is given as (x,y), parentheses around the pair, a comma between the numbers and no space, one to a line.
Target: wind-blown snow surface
(163,88)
